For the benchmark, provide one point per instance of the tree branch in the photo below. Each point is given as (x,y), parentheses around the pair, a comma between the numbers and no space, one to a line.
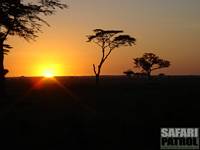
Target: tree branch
(97,43)
(94,68)
(108,54)
(158,68)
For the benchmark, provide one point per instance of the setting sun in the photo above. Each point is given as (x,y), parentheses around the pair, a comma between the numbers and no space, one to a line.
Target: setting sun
(48,69)
(48,74)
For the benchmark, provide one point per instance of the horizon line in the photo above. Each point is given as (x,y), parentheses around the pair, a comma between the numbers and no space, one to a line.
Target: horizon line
(94,75)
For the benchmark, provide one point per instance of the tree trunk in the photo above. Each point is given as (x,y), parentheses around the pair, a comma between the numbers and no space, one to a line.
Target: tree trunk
(2,71)
(149,75)
(97,78)
(97,73)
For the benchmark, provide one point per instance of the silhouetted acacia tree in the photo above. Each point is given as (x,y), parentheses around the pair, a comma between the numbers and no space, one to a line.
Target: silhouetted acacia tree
(150,62)
(108,40)
(24,19)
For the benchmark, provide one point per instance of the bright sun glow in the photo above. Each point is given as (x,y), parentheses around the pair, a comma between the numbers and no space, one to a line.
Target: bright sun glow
(49,70)
(48,73)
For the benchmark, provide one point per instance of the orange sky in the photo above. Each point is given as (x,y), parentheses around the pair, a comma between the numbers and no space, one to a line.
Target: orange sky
(169,28)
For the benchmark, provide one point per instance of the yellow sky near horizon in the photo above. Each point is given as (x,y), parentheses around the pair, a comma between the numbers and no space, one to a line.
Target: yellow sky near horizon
(170,29)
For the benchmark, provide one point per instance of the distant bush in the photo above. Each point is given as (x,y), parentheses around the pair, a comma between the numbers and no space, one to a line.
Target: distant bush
(5,71)
(129,73)
(161,75)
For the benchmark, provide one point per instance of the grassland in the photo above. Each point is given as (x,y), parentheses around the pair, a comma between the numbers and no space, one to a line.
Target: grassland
(74,113)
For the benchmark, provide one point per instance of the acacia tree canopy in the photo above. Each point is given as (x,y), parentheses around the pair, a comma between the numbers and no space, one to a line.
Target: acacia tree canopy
(24,17)
(108,38)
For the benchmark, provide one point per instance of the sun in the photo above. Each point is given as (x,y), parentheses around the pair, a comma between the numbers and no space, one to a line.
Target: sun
(49,70)
(48,74)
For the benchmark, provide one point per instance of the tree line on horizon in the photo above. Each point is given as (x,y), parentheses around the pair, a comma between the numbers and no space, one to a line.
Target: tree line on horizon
(22,19)
(108,40)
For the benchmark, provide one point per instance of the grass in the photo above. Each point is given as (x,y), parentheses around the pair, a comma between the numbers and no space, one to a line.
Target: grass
(74,113)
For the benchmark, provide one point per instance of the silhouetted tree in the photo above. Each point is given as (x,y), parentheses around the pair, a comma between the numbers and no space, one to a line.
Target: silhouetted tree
(150,62)
(108,40)
(24,19)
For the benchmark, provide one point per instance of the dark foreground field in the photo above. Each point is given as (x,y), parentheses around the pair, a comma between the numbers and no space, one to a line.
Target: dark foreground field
(74,113)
